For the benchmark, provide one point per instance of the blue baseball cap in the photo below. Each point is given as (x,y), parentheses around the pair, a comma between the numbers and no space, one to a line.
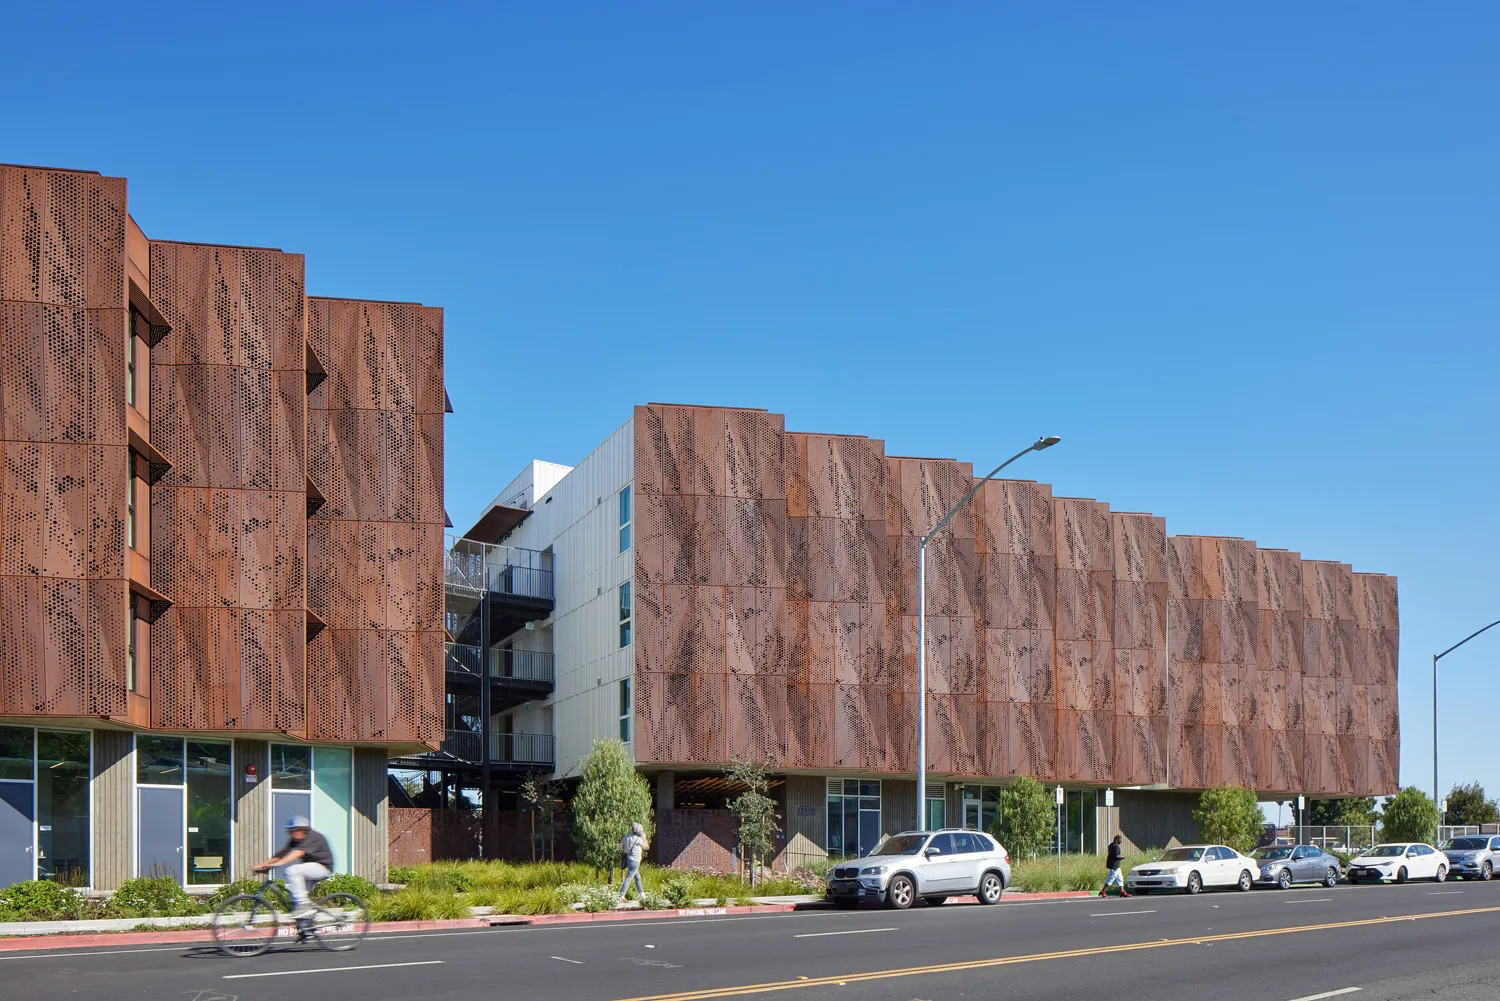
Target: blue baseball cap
(299,821)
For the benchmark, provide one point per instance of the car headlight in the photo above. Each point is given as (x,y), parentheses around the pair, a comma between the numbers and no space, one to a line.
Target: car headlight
(874,870)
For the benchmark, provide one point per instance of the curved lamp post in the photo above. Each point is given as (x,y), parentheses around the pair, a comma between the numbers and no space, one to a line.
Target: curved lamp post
(1036,446)
(1436,796)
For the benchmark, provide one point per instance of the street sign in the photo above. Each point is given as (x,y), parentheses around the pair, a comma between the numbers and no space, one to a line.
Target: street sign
(1301,802)
(1445,806)
(1059,796)
(1109,797)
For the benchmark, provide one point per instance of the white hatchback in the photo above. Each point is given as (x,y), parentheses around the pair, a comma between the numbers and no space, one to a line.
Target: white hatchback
(1193,868)
(1399,861)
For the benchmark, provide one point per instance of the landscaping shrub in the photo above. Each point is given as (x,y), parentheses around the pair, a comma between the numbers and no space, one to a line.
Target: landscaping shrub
(1027,821)
(1079,872)
(239,886)
(153,897)
(656,902)
(41,900)
(446,877)
(677,887)
(416,904)
(611,796)
(344,882)
(401,873)
(1410,815)
(1230,815)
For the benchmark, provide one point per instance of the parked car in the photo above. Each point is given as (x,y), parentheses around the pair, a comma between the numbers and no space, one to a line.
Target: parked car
(933,866)
(1472,856)
(1192,868)
(1283,865)
(1400,862)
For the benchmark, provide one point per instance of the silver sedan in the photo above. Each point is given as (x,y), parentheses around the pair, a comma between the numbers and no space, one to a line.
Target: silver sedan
(1283,865)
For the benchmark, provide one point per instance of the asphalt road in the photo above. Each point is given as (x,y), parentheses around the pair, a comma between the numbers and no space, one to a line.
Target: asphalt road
(1391,942)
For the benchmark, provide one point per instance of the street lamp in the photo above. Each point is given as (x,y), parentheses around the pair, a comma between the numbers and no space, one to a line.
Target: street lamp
(1435,658)
(1036,446)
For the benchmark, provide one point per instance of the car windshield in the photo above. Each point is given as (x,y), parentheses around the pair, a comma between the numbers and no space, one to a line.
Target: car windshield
(1465,844)
(1386,851)
(1270,853)
(902,844)
(1181,855)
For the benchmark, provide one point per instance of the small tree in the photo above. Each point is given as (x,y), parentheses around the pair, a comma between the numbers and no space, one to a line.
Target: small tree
(546,798)
(1028,818)
(1411,815)
(1467,806)
(1356,811)
(755,810)
(1230,815)
(611,796)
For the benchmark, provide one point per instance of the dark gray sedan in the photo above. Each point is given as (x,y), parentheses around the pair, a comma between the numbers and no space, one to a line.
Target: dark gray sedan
(1283,865)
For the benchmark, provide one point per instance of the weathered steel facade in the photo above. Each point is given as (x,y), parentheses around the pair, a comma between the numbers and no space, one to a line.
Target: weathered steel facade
(776,609)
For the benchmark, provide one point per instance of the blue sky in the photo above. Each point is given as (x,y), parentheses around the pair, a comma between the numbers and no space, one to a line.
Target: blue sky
(1244,262)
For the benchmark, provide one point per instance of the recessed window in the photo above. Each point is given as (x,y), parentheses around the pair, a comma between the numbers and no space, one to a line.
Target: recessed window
(625,615)
(627,710)
(130,533)
(130,669)
(624,521)
(130,338)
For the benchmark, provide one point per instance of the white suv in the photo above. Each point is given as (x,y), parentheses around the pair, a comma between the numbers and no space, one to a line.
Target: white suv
(934,866)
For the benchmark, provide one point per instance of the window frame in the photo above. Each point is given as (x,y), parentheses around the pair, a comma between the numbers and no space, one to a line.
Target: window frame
(131,391)
(627,614)
(627,709)
(626,511)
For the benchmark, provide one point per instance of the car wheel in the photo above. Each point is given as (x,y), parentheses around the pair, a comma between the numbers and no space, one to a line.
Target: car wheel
(933,901)
(1401,874)
(900,893)
(991,889)
(1194,883)
(845,903)
(1284,879)
(1247,881)
(1442,874)
(1331,877)
(1486,871)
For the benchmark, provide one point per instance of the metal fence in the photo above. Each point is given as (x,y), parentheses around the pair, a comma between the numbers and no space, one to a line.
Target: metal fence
(520,665)
(1460,830)
(1330,838)
(476,566)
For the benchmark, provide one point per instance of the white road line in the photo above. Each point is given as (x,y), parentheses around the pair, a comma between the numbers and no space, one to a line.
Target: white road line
(1328,994)
(332,969)
(1119,914)
(852,931)
(1443,893)
(81,953)
(1309,900)
(565,959)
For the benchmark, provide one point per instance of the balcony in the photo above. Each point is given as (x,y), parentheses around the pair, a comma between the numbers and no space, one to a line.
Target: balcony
(516,753)
(514,586)
(515,676)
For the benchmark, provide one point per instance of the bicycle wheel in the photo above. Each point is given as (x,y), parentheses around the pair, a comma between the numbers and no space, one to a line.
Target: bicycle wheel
(244,926)
(340,922)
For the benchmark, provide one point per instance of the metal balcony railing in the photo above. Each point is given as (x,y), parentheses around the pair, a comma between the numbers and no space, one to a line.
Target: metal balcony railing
(522,749)
(519,665)
(475,566)
(463,744)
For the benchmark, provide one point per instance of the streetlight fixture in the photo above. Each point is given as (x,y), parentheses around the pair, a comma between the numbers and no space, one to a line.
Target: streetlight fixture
(1036,446)
(1435,658)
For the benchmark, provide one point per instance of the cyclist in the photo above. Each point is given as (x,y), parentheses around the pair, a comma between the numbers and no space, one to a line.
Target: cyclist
(305,858)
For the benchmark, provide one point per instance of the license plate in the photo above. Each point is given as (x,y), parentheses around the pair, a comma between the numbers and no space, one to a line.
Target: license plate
(846,884)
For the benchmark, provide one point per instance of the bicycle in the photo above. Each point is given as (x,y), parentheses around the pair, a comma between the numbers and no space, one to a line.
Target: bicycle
(246,924)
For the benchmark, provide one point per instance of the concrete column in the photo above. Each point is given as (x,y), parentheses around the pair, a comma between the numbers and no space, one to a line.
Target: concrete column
(666,790)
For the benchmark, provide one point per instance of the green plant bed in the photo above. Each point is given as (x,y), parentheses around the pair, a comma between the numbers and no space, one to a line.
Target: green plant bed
(1077,872)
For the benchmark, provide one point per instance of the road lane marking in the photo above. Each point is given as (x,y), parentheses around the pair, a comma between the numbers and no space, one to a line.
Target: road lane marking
(1309,900)
(1443,893)
(1328,994)
(565,959)
(332,969)
(1119,914)
(852,931)
(982,964)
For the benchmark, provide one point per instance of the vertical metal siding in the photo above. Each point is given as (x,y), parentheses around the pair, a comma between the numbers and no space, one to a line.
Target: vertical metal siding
(368,819)
(113,818)
(252,806)
(898,806)
(805,835)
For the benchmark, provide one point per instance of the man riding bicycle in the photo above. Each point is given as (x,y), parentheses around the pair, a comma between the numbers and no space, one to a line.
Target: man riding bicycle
(304,858)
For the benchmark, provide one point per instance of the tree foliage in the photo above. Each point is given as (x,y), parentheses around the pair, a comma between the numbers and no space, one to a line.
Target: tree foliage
(1357,811)
(1230,815)
(611,796)
(1411,815)
(546,798)
(1467,805)
(755,810)
(1028,818)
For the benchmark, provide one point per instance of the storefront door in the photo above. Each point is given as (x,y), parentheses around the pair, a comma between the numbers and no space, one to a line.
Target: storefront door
(160,829)
(16,848)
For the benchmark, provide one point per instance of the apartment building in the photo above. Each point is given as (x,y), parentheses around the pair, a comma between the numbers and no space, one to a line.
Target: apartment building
(221,544)
(727,588)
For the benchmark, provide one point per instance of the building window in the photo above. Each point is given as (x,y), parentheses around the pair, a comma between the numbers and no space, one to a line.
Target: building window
(317,783)
(183,801)
(624,519)
(627,709)
(130,507)
(937,807)
(853,817)
(130,338)
(45,771)
(130,645)
(981,807)
(625,615)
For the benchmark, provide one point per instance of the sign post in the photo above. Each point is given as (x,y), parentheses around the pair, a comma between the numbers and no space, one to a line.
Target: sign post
(1109,818)
(1059,830)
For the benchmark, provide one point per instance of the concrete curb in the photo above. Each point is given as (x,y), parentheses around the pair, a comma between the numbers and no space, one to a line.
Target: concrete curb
(66,940)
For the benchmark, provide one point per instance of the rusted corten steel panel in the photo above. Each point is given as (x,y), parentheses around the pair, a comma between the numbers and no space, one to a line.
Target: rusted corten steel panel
(63,453)
(776,616)
(375,548)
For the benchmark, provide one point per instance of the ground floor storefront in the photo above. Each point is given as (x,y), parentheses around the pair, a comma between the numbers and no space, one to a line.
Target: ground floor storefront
(95,807)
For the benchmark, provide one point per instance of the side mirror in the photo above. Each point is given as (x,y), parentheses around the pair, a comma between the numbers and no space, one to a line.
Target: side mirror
(933,851)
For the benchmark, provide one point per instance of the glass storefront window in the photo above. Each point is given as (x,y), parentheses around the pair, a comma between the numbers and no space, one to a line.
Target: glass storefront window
(981,807)
(853,817)
(291,766)
(158,760)
(333,784)
(15,753)
(62,806)
(937,808)
(209,780)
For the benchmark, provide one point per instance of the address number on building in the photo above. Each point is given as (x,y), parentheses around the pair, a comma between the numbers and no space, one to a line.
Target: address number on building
(807,811)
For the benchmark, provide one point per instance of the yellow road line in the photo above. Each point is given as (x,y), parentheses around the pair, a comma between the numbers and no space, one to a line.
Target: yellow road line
(981,964)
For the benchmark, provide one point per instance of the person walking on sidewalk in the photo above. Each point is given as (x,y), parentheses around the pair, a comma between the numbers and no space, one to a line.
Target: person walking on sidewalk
(1112,863)
(633,847)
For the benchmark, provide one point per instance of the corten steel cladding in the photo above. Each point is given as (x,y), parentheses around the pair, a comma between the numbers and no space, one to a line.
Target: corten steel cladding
(375,445)
(63,451)
(776,612)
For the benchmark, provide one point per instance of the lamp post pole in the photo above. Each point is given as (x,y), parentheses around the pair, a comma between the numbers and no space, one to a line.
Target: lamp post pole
(1036,446)
(1435,658)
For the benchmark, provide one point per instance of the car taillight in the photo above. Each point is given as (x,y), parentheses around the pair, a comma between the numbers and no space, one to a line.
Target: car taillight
(1007,857)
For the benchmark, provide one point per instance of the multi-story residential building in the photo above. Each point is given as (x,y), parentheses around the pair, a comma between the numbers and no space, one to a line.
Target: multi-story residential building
(726,588)
(221,544)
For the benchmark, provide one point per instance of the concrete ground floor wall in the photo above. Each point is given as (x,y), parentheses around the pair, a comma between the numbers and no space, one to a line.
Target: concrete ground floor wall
(93,806)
